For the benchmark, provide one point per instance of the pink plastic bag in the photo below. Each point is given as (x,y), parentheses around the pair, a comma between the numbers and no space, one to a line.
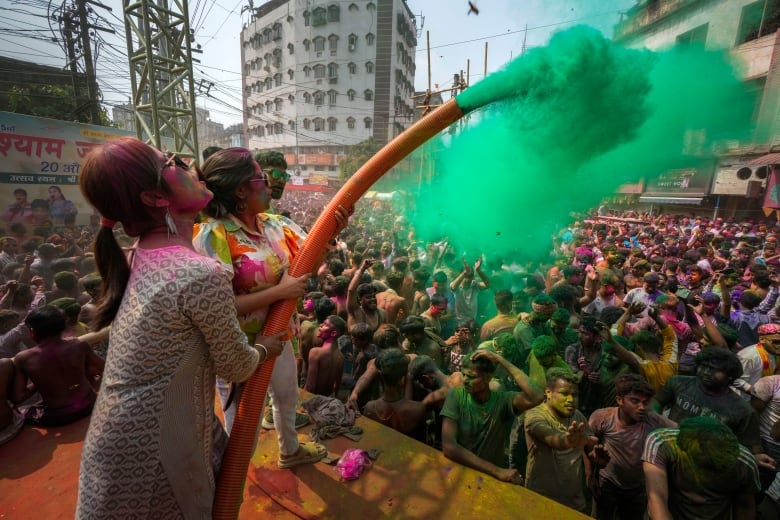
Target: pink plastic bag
(352,463)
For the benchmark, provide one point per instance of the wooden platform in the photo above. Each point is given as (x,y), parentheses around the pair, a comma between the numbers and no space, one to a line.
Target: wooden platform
(39,478)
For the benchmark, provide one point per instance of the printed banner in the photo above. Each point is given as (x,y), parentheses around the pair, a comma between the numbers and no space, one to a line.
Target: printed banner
(39,166)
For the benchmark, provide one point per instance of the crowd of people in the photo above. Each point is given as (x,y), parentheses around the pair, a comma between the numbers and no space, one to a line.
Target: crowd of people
(634,370)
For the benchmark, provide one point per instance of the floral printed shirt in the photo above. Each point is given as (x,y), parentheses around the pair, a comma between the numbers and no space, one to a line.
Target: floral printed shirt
(254,262)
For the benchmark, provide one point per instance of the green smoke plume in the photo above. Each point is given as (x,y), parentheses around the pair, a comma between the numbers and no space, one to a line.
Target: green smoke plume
(574,120)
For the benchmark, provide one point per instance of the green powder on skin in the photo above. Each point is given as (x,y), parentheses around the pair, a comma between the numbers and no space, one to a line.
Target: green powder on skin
(562,127)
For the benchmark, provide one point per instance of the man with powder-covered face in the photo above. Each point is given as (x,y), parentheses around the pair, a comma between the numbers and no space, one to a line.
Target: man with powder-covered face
(275,167)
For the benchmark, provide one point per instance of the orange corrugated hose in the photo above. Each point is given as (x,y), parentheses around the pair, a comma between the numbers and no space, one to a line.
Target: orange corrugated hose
(230,487)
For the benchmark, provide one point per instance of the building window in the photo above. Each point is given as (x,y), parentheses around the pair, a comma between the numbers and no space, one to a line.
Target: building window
(370,39)
(306,124)
(370,67)
(368,95)
(319,124)
(277,31)
(351,123)
(353,8)
(333,70)
(331,124)
(278,128)
(269,106)
(291,48)
(278,104)
(318,17)
(352,68)
(291,124)
(291,74)
(695,37)
(260,131)
(333,43)
(352,42)
(258,109)
(351,95)
(332,94)
(306,44)
(277,80)
(333,13)
(291,99)
(269,129)
(319,98)
(758,19)
(371,6)
(306,97)
(306,71)
(319,44)
(306,18)
(319,71)
(268,82)
(367,122)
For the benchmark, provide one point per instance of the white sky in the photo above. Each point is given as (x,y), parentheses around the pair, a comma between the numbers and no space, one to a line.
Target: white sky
(455,38)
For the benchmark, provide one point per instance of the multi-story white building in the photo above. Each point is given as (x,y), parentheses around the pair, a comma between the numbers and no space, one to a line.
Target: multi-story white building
(320,75)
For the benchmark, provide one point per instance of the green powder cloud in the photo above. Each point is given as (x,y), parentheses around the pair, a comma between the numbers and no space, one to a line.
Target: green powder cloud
(562,127)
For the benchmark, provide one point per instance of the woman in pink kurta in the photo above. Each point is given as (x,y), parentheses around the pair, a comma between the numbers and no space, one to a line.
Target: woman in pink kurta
(153,446)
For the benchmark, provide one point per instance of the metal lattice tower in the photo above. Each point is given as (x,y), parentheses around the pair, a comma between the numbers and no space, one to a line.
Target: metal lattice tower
(158,47)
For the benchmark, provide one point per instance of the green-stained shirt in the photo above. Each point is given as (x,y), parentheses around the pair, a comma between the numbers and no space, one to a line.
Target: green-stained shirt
(483,428)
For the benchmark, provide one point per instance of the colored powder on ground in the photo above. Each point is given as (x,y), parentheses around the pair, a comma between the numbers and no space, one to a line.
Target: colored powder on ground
(560,128)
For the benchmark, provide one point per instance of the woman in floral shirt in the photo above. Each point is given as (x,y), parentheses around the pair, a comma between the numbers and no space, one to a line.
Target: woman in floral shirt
(256,249)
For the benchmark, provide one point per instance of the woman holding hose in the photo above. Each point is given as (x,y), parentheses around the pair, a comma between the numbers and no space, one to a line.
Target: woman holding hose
(153,446)
(256,248)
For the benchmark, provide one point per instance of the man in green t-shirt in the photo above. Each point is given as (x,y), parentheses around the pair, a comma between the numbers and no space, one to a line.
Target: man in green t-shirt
(478,420)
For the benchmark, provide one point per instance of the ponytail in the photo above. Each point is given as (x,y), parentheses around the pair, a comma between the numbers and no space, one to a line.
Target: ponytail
(115,272)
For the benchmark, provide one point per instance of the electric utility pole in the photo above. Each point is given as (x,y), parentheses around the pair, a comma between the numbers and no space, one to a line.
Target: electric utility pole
(160,54)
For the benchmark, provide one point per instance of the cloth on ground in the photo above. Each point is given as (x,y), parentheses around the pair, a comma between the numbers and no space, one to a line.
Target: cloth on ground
(331,418)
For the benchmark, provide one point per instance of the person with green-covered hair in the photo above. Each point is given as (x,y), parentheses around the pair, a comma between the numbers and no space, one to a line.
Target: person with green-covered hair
(274,166)
(544,356)
(72,309)
(699,470)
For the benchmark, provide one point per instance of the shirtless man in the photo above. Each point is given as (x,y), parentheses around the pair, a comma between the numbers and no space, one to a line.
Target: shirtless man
(66,373)
(391,301)
(323,307)
(361,301)
(326,363)
(393,409)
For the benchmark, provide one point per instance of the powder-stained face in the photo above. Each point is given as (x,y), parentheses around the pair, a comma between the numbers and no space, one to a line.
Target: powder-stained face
(712,377)
(562,398)
(473,381)
(326,330)
(277,180)
(438,309)
(368,301)
(188,195)
(634,406)
(771,342)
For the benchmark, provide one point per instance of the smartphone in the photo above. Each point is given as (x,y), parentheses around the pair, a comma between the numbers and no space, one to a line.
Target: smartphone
(683,293)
